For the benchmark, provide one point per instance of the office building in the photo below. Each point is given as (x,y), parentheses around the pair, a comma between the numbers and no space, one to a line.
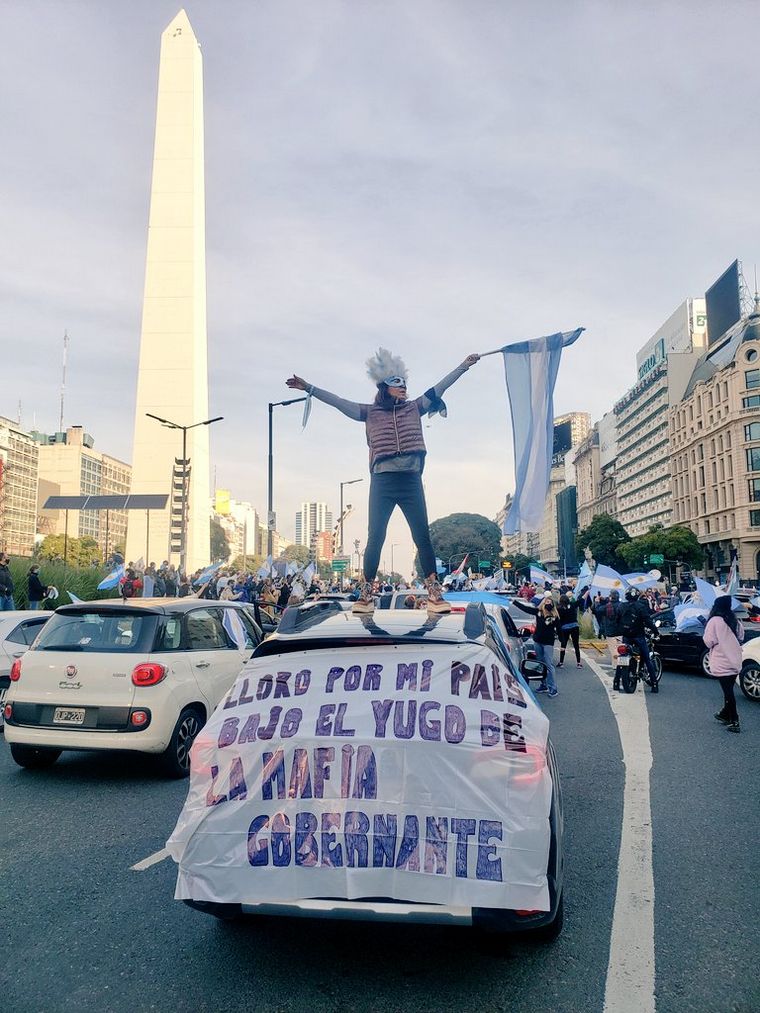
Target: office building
(19,464)
(594,466)
(310,520)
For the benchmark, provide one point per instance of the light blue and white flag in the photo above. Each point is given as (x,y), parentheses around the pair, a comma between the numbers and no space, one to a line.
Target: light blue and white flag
(74,599)
(291,569)
(605,580)
(706,592)
(308,574)
(732,584)
(233,624)
(265,570)
(111,581)
(539,575)
(640,580)
(531,369)
(207,574)
(690,615)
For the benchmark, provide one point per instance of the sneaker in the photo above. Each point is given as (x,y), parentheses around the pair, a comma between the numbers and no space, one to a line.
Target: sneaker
(721,716)
(579,664)
(436,602)
(541,689)
(365,603)
(554,692)
(733,726)
(559,664)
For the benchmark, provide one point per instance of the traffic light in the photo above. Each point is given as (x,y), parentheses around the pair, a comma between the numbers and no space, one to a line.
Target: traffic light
(506,565)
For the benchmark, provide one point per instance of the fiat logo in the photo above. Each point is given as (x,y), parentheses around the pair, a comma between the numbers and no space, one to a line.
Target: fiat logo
(71,671)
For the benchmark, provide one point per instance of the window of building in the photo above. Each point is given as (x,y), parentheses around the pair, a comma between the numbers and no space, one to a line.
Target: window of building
(707,526)
(728,441)
(714,472)
(754,518)
(702,472)
(754,490)
(753,458)
(752,431)
(704,503)
(731,495)
(753,401)
(700,452)
(751,354)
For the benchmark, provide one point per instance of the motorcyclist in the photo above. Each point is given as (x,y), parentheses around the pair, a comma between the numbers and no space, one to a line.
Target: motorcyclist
(608,614)
(635,618)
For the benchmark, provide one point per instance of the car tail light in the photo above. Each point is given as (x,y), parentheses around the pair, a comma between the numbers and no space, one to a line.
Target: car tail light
(622,649)
(525,912)
(529,629)
(139,718)
(16,670)
(148,674)
(8,711)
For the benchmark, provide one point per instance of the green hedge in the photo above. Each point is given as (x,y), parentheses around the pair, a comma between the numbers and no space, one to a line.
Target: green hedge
(82,582)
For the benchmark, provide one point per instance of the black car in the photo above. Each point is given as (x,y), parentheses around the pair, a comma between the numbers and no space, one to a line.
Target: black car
(687,647)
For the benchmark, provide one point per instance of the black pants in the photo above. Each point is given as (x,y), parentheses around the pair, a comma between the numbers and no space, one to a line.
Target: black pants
(564,636)
(729,706)
(387,490)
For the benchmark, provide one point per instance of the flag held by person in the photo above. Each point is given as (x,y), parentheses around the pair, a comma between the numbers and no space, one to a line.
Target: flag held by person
(605,580)
(112,580)
(539,576)
(531,369)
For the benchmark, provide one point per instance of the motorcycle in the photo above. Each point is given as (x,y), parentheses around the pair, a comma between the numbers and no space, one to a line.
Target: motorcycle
(630,666)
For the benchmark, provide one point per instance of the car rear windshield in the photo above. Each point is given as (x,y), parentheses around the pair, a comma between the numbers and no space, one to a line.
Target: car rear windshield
(97,632)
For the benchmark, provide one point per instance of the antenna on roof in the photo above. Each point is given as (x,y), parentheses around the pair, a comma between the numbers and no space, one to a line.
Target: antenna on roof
(63,378)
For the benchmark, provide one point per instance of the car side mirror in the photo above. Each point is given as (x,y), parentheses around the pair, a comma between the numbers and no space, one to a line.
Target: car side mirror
(534,670)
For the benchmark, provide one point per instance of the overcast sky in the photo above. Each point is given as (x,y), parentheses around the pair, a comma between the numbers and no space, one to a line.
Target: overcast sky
(439,177)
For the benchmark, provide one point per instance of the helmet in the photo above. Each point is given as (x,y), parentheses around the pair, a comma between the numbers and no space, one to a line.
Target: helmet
(631,594)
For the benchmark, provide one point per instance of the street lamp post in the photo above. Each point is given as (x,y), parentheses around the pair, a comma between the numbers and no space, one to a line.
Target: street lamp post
(351,481)
(176,425)
(270,509)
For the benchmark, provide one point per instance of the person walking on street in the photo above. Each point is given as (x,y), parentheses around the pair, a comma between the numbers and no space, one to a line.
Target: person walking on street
(37,591)
(569,628)
(723,637)
(608,613)
(6,585)
(547,623)
(397,452)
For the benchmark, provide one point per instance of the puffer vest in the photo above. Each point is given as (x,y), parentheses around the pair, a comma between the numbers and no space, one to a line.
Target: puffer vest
(395,431)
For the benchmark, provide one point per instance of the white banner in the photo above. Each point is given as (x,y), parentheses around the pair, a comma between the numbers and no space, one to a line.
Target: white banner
(369,772)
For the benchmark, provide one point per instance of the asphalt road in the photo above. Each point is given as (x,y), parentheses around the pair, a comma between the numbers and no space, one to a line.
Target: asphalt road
(82,932)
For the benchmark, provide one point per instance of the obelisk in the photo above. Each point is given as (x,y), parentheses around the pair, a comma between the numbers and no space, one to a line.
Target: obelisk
(172,380)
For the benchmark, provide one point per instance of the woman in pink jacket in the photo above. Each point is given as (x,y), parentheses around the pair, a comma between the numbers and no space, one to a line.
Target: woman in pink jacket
(723,636)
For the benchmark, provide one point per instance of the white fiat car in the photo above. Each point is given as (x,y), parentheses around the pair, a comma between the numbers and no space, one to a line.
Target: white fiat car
(142,676)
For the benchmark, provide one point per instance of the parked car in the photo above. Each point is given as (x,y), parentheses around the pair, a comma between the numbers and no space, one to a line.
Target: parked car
(17,631)
(687,647)
(404,771)
(141,675)
(749,677)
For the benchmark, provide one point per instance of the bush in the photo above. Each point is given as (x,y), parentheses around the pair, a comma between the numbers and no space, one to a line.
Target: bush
(82,581)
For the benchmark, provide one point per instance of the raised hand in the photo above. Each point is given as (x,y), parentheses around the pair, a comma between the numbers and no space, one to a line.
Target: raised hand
(297,383)
(471,360)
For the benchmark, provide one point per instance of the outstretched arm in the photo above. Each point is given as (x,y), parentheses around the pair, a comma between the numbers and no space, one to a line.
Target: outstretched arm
(355,411)
(447,381)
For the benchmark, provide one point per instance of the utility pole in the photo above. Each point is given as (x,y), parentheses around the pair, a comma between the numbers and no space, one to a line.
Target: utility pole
(63,378)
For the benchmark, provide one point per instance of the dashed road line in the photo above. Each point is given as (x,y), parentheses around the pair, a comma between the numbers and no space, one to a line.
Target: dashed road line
(154,859)
(630,981)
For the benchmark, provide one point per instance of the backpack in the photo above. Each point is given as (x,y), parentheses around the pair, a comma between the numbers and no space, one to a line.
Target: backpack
(630,622)
(128,589)
(609,611)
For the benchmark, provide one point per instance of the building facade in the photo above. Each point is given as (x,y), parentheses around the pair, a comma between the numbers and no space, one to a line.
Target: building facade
(310,520)
(643,467)
(70,462)
(715,446)
(239,521)
(19,477)
(595,472)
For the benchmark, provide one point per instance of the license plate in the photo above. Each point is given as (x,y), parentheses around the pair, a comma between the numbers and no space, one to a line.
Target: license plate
(623,661)
(68,716)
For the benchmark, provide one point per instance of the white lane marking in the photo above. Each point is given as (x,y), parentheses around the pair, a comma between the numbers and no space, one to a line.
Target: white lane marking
(631,969)
(154,859)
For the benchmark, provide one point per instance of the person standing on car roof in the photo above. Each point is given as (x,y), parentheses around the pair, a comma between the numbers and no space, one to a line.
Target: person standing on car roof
(397,452)
(546,628)
(723,637)
(635,619)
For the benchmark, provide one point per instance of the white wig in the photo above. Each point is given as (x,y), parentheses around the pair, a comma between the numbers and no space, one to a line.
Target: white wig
(384,365)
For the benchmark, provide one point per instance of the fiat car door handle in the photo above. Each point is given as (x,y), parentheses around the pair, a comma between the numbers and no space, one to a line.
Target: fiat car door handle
(202,664)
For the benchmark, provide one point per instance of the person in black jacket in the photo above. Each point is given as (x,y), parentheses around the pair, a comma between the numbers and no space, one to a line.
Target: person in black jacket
(6,585)
(37,591)
(635,618)
(569,629)
(547,624)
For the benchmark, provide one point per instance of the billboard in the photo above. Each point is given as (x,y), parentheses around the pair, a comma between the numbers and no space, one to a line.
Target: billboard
(723,303)
(563,438)
(681,332)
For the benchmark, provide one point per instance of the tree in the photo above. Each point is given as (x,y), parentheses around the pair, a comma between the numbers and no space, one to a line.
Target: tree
(220,547)
(604,537)
(246,564)
(678,544)
(79,551)
(296,554)
(459,534)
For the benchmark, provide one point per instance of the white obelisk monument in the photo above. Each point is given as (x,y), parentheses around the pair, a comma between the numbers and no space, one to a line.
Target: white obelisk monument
(172,380)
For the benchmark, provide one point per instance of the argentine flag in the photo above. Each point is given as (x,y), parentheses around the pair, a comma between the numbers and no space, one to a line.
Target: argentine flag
(540,576)
(605,580)
(112,580)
